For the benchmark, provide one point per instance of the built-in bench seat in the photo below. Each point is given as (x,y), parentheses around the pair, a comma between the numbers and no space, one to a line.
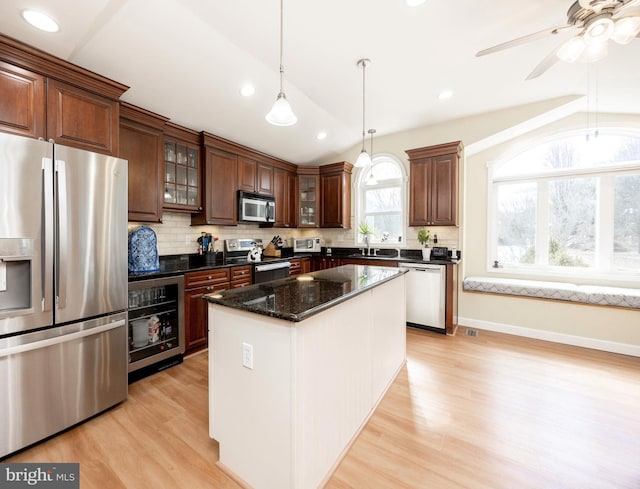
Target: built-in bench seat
(588,294)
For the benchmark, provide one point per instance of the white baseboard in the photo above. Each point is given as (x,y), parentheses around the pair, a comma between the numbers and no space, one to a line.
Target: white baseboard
(593,343)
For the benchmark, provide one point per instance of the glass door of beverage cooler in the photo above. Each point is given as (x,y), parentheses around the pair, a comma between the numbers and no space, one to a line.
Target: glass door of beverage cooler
(156,321)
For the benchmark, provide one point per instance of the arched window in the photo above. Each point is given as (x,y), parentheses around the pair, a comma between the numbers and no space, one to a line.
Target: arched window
(569,205)
(381,200)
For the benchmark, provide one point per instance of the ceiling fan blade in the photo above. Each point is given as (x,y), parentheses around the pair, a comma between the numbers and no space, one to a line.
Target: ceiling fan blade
(544,65)
(525,39)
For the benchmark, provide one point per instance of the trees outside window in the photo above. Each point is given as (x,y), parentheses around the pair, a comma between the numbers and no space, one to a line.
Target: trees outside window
(570,205)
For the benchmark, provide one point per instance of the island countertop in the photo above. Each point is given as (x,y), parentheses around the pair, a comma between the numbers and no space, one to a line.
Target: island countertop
(297,298)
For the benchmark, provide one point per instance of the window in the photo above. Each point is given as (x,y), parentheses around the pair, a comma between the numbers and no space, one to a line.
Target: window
(569,206)
(381,198)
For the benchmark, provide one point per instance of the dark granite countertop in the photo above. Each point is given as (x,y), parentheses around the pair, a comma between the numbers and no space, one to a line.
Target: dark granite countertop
(171,265)
(297,298)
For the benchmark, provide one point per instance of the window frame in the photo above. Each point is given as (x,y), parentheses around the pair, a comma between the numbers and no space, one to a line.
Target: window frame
(605,204)
(359,188)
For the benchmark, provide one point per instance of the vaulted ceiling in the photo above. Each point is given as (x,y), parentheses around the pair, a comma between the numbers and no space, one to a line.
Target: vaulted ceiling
(188,59)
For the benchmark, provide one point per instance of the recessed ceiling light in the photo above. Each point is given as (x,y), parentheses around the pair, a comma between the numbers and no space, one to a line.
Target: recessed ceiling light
(415,3)
(445,95)
(322,135)
(247,90)
(40,21)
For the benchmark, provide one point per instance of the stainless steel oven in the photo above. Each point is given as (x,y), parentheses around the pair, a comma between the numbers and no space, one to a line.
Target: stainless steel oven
(265,272)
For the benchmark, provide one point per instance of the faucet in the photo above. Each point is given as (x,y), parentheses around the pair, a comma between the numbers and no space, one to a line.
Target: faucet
(398,250)
(366,240)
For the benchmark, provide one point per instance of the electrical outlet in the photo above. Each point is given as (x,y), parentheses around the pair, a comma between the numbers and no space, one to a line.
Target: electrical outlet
(187,239)
(247,355)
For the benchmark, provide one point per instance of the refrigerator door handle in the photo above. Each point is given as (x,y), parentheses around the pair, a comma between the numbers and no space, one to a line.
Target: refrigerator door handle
(14,350)
(46,236)
(62,235)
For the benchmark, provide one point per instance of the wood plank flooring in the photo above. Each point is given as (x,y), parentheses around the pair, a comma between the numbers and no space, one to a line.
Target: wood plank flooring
(492,411)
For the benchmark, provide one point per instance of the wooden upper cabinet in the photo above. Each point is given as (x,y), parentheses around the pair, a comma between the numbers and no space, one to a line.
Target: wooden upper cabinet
(220,201)
(182,169)
(255,176)
(264,179)
(247,174)
(22,105)
(308,203)
(433,184)
(141,137)
(78,118)
(285,192)
(45,96)
(335,191)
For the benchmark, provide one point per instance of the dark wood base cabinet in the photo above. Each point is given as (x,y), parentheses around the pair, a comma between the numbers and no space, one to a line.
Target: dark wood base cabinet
(197,284)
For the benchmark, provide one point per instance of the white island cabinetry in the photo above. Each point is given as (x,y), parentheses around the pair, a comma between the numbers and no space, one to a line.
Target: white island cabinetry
(286,422)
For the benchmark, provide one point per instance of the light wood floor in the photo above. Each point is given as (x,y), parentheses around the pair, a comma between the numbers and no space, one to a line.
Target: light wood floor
(492,411)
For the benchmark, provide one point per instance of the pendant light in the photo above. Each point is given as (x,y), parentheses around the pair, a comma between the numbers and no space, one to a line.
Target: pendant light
(364,159)
(281,113)
(371,180)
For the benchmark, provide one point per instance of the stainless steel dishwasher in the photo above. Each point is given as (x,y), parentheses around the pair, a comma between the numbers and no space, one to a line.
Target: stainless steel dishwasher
(425,290)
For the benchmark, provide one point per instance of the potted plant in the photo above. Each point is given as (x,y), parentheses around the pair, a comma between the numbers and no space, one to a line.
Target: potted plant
(366,231)
(364,228)
(424,237)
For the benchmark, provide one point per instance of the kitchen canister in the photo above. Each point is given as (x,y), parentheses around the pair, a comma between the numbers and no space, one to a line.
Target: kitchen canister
(143,250)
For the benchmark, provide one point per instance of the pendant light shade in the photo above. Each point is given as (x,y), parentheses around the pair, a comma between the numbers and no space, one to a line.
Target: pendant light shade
(364,159)
(281,113)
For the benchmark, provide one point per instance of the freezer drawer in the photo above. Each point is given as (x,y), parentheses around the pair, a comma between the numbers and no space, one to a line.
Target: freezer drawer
(55,378)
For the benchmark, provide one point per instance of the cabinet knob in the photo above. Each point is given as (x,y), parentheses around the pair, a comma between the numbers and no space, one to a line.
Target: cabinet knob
(209,287)
(209,277)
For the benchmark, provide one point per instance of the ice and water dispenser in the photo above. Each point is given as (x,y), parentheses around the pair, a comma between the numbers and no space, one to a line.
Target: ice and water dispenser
(16,261)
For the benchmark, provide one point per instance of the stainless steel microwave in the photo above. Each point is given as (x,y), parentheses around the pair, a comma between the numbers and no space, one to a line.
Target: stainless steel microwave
(308,245)
(256,207)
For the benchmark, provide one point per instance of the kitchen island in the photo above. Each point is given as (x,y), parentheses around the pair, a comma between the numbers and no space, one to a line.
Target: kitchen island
(297,366)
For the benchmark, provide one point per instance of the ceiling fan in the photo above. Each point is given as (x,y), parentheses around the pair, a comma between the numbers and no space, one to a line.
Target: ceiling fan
(594,22)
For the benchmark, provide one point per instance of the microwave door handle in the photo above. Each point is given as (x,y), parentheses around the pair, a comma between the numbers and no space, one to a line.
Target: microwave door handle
(269,211)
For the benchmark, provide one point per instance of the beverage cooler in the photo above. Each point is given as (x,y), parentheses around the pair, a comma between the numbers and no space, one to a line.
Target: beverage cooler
(156,325)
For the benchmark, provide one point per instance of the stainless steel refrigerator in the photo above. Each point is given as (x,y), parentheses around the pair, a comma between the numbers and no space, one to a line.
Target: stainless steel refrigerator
(63,288)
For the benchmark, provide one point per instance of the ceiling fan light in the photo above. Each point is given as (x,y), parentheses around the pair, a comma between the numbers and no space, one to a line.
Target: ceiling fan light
(626,29)
(594,52)
(571,50)
(281,113)
(599,30)
(363,159)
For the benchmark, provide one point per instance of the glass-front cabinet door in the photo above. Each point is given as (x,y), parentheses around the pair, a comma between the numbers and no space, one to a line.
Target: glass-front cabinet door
(181,176)
(308,201)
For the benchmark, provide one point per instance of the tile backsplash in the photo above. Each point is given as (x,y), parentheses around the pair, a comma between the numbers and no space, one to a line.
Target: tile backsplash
(177,236)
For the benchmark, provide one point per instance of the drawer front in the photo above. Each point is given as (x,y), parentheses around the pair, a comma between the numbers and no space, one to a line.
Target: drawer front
(208,277)
(296,267)
(241,273)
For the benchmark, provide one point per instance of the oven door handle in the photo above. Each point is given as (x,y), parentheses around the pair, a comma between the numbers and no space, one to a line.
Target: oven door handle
(272,266)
